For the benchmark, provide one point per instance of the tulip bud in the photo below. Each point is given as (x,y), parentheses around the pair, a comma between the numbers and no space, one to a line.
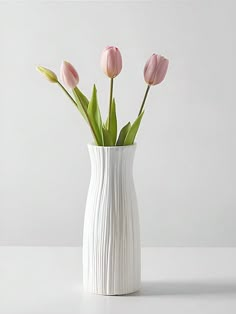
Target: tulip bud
(155,69)
(51,76)
(111,61)
(69,75)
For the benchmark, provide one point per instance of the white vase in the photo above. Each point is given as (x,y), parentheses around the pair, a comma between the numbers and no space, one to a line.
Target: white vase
(111,239)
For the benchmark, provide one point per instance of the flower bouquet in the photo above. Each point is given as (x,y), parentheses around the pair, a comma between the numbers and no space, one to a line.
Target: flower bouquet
(105,133)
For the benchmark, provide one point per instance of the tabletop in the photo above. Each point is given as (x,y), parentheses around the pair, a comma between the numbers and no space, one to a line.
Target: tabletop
(43,280)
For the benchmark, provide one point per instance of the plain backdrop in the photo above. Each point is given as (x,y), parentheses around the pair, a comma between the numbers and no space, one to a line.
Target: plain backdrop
(185,170)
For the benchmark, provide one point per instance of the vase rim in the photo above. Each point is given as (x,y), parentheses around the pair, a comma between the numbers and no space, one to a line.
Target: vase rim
(112,147)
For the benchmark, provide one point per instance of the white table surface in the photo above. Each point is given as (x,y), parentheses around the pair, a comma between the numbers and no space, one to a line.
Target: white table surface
(43,280)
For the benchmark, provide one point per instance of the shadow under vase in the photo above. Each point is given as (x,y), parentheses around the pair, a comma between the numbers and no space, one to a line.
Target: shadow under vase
(187,287)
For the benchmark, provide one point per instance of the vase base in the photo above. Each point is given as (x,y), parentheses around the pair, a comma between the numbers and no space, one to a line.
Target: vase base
(112,293)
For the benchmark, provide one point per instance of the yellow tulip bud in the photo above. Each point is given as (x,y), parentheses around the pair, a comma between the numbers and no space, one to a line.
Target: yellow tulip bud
(51,76)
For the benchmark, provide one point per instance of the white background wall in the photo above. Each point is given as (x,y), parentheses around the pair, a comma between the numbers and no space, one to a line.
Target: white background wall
(185,168)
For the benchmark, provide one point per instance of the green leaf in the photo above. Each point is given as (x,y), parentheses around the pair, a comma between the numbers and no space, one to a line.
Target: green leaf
(105,125)
(113,123)
(82,101)
(130,137)
(95,116)
(122,135)
(107,137)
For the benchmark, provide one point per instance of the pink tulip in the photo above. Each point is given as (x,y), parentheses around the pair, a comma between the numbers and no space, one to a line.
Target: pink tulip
(155,69)
(111,61)
(69,75)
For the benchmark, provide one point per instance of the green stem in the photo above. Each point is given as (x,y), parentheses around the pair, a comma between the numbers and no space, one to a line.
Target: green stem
(85,111)
(110,103)
(68,94)
(144,99)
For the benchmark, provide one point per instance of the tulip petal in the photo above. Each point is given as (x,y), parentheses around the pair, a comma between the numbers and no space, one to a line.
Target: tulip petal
(161,71)
(69,75)
(50,76)
(111,61)
(155,69)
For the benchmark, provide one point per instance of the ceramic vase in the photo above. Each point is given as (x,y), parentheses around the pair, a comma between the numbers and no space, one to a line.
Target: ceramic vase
(111,237)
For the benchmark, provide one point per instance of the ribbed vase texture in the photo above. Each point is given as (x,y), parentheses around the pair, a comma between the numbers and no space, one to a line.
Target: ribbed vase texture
(111,239)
